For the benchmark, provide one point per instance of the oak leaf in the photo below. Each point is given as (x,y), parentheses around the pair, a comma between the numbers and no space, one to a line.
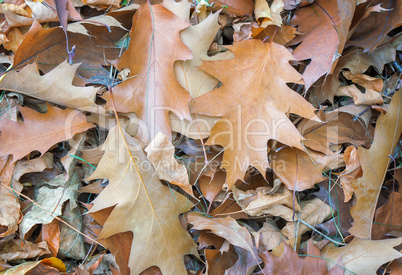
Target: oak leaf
(55,86)
(372,30)
(256,98)
(290,262)
(152,90)
(362,256)
(374,163)
(40,131)
(387,217)
(357,62)
(226,228)
(143,206)
(319,39)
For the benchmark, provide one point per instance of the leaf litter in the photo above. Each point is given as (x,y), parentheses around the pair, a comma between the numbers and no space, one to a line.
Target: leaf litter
(229,137)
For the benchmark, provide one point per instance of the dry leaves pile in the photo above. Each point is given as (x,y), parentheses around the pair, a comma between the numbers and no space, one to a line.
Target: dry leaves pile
(175,137)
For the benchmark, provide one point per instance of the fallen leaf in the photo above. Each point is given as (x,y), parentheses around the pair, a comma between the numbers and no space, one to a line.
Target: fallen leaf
(352,171)
(370,97)
(39,131)
(372,30)
(153,209)
(250,98)
(357,62)
(319,38)
(387,217)
(313,212)
(152,90)
(290,262)
(226,228)
(364,80)
(374,163)
(9,212)
(161,154)
(362,256)
(348,124)
(198,38)
(290,165)
(15,249)
(211,187)
(260,202)
(55,86)
(269,235)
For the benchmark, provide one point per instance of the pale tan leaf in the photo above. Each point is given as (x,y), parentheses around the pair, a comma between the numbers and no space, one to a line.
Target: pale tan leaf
(312,212)
(149,209)
(55,86)
(160,153)
(226,228)
(374,163)
(362,256)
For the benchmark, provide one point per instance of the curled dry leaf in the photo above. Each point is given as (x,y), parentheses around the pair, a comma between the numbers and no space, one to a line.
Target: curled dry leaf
(15,249)
(370,96)
(226,228)
(352,171)
(374,163)
(290,165)
(9,212)
(372,30)
(357,62)
(150,209)
(259,202)
(161,154)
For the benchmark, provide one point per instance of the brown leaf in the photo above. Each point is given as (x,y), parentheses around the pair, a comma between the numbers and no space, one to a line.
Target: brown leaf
(250,97)
(357,62)
(18,250)
(374,163)
(50,234)
(40,131)
(234,7)
(388,217)
(152,90)
(211,187)
(290,262)
(372,30)
(362,256)
(338,127)
(9,212)
(290,165)
(352,171)
(150,208)
(370,97)
(319,39)
(48,46)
